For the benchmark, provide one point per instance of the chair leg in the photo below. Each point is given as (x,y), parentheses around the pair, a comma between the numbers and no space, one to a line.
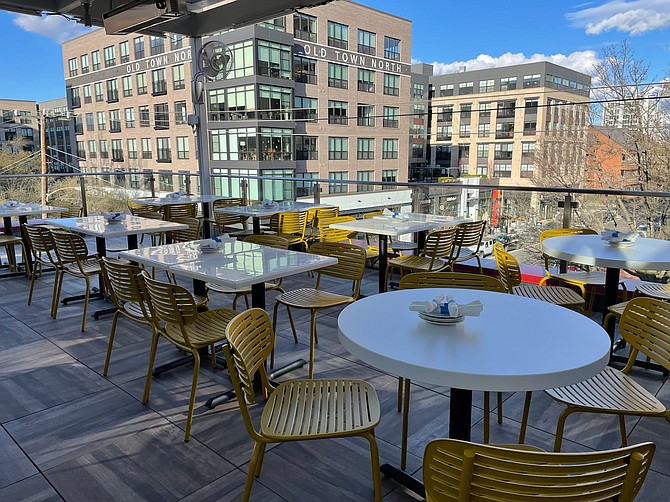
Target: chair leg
(57,294)
(86,296)
(487,418)
(560,427)
(152,358)
(622,427)
(111,343)
(252,470)
(191,402)
(405,425)
(400,384)
(312,335)
(290,320)
(33,275)
(500,404)
(259,463)
(524,418)
(374,457)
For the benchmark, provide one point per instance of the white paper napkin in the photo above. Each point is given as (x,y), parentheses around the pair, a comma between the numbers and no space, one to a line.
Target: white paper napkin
(613,235)
(473,308)
(12,203)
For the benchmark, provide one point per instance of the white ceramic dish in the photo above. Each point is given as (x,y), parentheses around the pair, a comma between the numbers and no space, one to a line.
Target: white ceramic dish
(620,244)
(440,319)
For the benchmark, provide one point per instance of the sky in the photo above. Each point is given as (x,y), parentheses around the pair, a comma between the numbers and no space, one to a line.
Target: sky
(446,33)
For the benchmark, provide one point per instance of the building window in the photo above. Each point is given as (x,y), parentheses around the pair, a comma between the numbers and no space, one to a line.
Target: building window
(389,148)
(367,42)
(90,123)
(146,148)
(365,149)
(508,83)
(102,121)
(130,118)
(482,170)
(277,24)
(233,144)
(338,76)
(506,109)
(274,60)
(503,151)
(527,170)
(529,128)
(389,176)
(486,85)
(75,99)
(502,170)
(464,131)
(127,83)
(104,149)
(92,149)
(274,102)
(527,148)
(132,148)
(391,84)
(338,112)
(84,63)
(157,45)
(216,105)
(505,130)
(81,151)
(159,85)
(363,178)
(114,121)
(163,153)
(445,113)
(482,150)
(531,80)
(466,111)
(95,56)
(485,111)
(178,81)
(338,148)
(304,70)
(531,106)
(161,116)
(418,90)
(139,47)
(366,80)
(334,186)
(141,83)
(165,181)
(484,130)
(276,143)
(180,112)
(117,150)
(243,60)
(305,188)
(110,56)
(446,90)
(306,148)
(306,109)
(112,91)
(241,102)
(391,115)
(72,65)
(176,41)
(304,27)
(182,147)
(144,116)
(417,151)
(444,133)
(124,52)
(465,88)
(338,35)
(366,115)
(391,48)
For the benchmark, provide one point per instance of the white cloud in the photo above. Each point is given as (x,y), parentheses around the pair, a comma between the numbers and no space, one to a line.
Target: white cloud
(633,17)
(54,27)
(582,61)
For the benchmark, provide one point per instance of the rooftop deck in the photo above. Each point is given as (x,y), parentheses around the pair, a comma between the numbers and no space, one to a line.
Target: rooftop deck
(68,433)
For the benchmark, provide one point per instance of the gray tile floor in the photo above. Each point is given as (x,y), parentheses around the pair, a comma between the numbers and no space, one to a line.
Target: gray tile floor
(68,433)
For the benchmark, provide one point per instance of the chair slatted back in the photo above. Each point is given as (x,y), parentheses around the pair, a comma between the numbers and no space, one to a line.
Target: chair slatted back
(372,214)
(463,471)
(139,207)
(70,248)
(350,263)
(40,240)
(508,267)
(469,234)
(294,222)
(451,280)
(327,234)
(154,215)
(439,244)
(188,209)
(559,232)
(645,325)
(192,233)
(71,210)
(224,219)
(170,303)
(125,284)
(274,241)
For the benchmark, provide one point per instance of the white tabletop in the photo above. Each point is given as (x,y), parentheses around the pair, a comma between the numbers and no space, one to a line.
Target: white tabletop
(236,264)
(261,211)
(644,254)
(516,344)
(167,201)
(404,224)
(98,226)
(28,210)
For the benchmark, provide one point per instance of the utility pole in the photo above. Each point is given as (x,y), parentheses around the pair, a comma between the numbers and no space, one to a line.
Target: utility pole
(43,156)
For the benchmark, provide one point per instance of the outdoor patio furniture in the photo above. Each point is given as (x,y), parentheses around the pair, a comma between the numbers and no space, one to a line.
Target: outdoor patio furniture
(468,235)
(43,249)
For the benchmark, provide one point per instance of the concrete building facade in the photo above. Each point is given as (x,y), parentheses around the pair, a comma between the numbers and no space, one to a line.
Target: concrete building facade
(20,121)
(59,128)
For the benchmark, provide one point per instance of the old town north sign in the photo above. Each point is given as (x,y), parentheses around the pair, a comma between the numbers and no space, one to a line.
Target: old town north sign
(340,56)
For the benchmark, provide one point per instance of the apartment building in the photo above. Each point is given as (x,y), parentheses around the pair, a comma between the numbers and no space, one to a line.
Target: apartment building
(20,121)
(60,133)
(489,122)
(322,93)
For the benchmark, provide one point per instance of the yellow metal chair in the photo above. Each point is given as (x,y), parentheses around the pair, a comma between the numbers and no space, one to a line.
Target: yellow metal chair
(350,266)
(175,316)
(188,209)
(645,325)
(436,251)
(292,227)
(653,290)
(314,218)
(128,293)
(583,279)
(139,207)
(192,233)
(8,242)
(75,260)
(452,280)
(297,410)
(43,249)
(464,471)
(223,220)
(468,235)
(264,240)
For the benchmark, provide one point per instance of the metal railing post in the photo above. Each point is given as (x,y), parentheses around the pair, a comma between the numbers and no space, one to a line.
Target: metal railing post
(416,199)
(152,185)
(82,187)
(567,211)
(317,193)
(188,184)
(243,189)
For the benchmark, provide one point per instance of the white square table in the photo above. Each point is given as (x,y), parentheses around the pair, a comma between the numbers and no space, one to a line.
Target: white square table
(22,211)
(258,211)
(205,202)
(235,265)
(516,344)
(388,226)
